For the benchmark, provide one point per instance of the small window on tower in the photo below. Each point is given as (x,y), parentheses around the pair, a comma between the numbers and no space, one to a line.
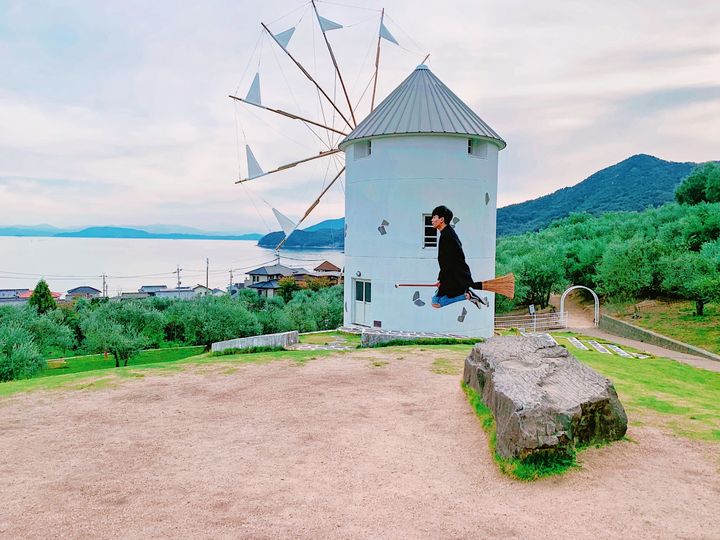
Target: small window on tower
(362,149)
(477,148)
(430,236)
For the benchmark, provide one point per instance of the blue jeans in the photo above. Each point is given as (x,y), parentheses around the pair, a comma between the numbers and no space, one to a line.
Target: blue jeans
(445,301)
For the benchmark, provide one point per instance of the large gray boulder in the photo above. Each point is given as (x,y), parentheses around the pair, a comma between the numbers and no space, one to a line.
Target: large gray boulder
(543,399)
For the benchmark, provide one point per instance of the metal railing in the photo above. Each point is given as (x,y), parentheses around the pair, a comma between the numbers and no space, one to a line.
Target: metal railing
(532,323)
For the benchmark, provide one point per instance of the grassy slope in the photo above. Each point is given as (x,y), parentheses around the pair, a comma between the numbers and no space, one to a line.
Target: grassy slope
(687,399)
(93,362)
(104,377)
(677,320)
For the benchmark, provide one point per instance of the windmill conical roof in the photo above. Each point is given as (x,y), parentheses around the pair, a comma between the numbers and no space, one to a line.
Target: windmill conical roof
(422,104)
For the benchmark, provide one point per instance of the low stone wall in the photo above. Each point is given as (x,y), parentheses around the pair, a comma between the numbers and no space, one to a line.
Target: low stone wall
(624,329)
(282,339)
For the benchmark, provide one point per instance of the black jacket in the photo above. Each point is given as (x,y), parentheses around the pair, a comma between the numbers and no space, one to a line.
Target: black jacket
(454,276)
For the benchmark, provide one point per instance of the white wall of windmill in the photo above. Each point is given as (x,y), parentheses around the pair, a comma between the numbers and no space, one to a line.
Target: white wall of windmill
(404,178)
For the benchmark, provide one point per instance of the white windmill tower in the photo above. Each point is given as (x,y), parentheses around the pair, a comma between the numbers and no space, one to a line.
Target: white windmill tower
(420,148)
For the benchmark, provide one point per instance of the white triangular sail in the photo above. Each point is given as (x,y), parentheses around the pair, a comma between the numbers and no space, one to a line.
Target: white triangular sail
(283,38)
(254,169)
(327,24)
(253,95)
(385,34)
(288,225)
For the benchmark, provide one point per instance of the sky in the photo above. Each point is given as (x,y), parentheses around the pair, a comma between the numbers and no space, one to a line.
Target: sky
(117,113)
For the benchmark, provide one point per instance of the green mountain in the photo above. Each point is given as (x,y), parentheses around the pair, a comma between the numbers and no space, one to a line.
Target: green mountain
(334,224)
(637,183)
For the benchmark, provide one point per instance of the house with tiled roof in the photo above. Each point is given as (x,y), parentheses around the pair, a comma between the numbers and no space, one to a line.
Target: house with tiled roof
(265,279)
(182,293)
(83,291)
(328,270)
(26,295)
(326,266)
(152,289)
(12,296)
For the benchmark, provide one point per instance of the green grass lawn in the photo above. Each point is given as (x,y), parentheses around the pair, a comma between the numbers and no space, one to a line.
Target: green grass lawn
(685,397)
(326,338)
(76,364)
(678,321)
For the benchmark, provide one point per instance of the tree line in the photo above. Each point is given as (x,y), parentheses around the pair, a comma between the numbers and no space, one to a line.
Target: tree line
(31,334)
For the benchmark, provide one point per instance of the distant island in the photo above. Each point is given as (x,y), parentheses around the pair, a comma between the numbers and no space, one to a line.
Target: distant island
(317,238)
(121,232)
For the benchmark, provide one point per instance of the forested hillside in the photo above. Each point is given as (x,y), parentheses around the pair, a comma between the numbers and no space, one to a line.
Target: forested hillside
(671,251)
(637,183)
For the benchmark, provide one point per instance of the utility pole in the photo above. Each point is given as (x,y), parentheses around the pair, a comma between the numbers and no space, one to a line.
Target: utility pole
(207,273)
(178,275)
(231,282)
(105,287)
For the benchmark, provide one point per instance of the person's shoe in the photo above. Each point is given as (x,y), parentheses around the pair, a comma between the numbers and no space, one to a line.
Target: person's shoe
(475,299)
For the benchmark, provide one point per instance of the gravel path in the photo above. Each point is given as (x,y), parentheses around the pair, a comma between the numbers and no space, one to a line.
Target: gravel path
(368,444)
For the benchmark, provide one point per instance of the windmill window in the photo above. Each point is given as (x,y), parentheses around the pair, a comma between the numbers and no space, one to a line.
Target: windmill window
(477,148)
(362,149)
(430,234)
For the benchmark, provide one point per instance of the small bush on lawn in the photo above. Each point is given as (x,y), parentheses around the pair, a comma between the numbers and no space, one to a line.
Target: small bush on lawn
(19,356)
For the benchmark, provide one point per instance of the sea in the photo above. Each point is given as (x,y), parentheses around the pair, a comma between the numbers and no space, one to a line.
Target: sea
(66,263)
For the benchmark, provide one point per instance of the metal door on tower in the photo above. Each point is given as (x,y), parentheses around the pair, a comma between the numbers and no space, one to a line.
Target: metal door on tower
(363,299)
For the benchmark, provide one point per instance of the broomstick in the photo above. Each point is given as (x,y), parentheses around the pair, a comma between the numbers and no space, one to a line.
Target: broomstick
(504,285)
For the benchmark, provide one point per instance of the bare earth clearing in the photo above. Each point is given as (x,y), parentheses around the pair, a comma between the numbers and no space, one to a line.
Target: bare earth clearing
(366,444)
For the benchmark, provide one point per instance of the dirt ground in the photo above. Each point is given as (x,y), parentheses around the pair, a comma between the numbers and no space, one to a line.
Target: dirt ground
(369,444)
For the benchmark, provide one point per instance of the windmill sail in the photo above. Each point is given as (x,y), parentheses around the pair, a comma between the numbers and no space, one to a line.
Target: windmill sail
(254,169)
(283,38)
(253,95)
(288,226)
(385,34)
(327,24)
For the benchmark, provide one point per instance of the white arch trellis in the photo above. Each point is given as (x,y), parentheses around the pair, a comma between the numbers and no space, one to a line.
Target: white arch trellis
(569,290)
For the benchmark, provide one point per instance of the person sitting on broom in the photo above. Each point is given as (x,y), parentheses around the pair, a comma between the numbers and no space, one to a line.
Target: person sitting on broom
(455,282)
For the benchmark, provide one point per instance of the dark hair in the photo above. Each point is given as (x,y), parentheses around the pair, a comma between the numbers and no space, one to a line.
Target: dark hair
(443,212)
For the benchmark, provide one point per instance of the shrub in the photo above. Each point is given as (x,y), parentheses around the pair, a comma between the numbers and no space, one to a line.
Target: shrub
(50,335)
(210,319)
(702,185)
(287,286)
(41,298)
(19,356)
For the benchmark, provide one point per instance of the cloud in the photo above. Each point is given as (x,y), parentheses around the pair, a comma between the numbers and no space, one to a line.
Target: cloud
(127,102)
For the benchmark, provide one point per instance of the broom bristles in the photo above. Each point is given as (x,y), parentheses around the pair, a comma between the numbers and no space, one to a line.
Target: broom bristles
(504,285)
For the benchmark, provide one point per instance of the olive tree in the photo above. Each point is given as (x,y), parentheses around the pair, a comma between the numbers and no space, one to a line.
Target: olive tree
(19,355)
